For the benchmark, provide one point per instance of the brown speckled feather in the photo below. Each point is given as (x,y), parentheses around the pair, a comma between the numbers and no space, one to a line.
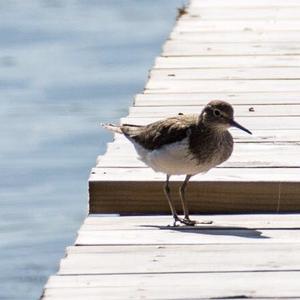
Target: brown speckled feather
(162,132)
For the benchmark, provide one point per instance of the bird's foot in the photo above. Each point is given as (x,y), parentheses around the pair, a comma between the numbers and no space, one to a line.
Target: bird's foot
(176,219)
(189,222)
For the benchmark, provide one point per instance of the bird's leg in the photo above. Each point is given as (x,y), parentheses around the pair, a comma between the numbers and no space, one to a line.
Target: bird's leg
(168,196)
(184,204)
(187,220)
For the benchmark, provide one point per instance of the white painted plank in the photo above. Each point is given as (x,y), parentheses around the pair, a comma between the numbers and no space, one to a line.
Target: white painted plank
(250,61)
(266,25)
(216,174)
(193,236)
(168,259)
(197,48)
(239,110)
(251,221)
(238,39)
(226,74)
(235,98)
(244,13)
(226,86)
(236,161)
(175,286)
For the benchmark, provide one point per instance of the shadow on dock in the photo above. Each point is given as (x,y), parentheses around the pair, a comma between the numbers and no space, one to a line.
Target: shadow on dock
(214,230)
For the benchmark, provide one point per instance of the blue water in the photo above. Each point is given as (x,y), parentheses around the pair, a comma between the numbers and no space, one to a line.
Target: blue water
(64,67)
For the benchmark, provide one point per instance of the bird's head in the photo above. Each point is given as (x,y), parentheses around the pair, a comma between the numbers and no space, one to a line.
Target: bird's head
(219,114)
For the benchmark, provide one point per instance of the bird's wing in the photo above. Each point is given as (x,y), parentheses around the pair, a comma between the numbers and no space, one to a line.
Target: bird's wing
(160,133)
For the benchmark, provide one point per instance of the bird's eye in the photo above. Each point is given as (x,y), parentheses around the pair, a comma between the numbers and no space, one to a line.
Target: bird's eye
(217,113)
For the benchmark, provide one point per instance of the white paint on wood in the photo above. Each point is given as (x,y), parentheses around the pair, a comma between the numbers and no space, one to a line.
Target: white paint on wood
(235,61)
(226,86)
(194,48)
(244,13)
(267,26)
(251,221)
(258,175)
(284,39)
(226,74)
(239,110)
(175,286)
(235,98)
(181,258)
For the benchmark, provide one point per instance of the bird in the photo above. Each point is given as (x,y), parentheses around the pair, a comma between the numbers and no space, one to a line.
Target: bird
(186,144)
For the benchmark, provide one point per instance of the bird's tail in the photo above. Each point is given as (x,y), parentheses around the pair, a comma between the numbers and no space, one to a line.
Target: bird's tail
(112,127)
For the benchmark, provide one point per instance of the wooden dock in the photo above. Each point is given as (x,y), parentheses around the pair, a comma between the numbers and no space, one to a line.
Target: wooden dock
(244,52)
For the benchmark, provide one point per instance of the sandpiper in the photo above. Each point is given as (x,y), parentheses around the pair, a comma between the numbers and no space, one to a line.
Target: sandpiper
(184,145)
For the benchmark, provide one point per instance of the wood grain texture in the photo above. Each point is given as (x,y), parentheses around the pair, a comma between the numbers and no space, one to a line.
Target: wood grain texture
(225,74)
(239,110)
(226,86)
(229,221)
(194,48)
(266,26)
(108,262)
(235,98)
(175,286)
(236,61)
(239,39)
(283,12)
(204,197)
(214,175)
(168,259)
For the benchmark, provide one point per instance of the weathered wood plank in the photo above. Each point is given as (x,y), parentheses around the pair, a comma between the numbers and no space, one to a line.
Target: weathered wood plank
(175,286)
(237,39)
(193,236)
(244,13)
(252,175)
(168,259)
(226,74)
(267,26)
(239,110)
(226,86)
(195,48)
(235,98)
(251,221)
(236,61)
(139,190)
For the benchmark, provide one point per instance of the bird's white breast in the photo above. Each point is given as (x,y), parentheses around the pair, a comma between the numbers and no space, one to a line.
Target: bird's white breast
(172,159)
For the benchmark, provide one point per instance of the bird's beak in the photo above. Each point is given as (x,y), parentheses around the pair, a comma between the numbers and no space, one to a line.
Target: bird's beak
(237,125)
